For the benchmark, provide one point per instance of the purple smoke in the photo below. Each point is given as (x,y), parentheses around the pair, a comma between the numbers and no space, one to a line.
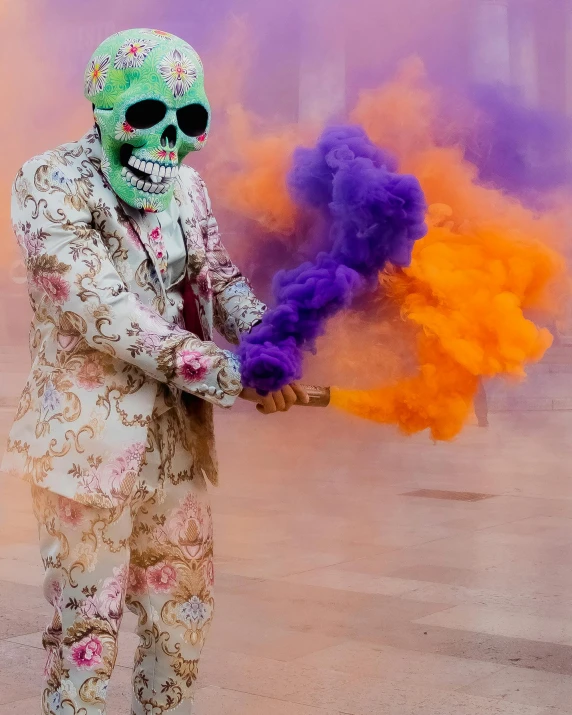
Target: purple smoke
(374,215)
(516,148)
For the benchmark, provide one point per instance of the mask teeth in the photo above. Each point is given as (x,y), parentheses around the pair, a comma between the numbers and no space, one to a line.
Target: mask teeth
(155,170)
(147,186)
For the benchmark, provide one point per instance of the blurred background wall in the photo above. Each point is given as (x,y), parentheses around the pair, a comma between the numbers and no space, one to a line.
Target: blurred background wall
(308,60)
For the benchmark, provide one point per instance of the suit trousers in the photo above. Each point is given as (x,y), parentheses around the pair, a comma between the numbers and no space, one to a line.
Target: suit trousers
(153,554)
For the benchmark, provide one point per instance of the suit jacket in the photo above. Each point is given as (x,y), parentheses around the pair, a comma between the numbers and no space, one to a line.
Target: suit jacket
(107,337)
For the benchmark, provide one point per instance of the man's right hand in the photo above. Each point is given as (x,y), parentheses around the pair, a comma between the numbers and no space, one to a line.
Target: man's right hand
(280,401)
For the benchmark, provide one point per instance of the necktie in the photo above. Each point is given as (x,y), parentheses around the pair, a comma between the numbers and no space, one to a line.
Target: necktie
(191,311)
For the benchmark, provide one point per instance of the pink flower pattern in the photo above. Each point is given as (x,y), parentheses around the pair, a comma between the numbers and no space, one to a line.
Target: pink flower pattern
(157,243)
(54,595)
(137,583)
(150,342)
(109,476)
(87,653)
(31,242)
(70,512)
(189,527)
(91,374)
(110,599)
(203,284)
(162,577)
(191,365)
(54,285)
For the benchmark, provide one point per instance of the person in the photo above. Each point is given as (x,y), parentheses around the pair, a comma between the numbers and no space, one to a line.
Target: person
(126,277)
(481,405)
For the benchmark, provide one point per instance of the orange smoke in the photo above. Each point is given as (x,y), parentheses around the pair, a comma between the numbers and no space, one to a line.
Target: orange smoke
(484,263)
(259,191)
(466,302)
(248,160)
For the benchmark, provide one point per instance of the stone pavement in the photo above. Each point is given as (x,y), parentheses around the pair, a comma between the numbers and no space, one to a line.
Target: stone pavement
(548,385)
(358,572)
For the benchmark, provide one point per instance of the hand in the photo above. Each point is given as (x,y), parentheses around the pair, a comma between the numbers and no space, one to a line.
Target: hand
(280,401)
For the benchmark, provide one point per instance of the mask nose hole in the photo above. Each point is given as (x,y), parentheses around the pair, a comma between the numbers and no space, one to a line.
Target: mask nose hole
(169,137)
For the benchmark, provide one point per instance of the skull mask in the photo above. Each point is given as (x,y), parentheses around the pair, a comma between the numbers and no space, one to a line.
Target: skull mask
(147,90)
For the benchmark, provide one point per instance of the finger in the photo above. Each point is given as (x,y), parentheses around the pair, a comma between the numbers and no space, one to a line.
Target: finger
(248,393)
(301,394)
(268,404)
(290,397)
(279,401)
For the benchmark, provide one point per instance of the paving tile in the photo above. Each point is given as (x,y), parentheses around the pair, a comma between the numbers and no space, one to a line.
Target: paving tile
(22,597)
(341,580)
(535,655)
(346,692)
(16,622)
(336,595)
(519,685)
(482,619)
(22,572)
(219,701)
(270,641)
(506,597)
(334,613)
(17,689)
(403,666)
(28,705)
(553,530)
(17,659)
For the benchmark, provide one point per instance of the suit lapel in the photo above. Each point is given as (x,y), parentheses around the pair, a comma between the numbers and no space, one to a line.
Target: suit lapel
(146,226)
(192,231)
(198,274)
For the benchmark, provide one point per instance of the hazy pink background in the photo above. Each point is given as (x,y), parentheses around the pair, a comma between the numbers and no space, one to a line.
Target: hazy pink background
(46,46)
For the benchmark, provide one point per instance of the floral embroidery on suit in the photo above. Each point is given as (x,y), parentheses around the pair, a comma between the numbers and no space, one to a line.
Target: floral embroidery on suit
(154,554)
(106,331)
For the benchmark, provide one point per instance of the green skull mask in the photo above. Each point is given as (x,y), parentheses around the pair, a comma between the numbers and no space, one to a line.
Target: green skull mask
(147,88)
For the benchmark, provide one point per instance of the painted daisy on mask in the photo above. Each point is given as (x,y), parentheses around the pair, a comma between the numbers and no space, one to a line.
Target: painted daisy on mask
(124,131)
(163,155)
(105,164)
(96,74)
(149,204)
(133,53)
(162,34)
(179,72)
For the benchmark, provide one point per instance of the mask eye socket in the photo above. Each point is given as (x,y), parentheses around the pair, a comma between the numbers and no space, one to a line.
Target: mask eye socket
(146,114)
(193,120)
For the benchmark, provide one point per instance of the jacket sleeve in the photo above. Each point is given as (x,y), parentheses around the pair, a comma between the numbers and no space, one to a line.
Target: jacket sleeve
(71,274)
(236,308)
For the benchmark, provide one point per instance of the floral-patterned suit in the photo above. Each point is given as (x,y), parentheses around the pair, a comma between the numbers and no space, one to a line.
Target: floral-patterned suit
(114,427)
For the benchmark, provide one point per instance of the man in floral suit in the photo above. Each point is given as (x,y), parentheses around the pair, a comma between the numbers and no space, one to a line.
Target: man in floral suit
(126,276)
